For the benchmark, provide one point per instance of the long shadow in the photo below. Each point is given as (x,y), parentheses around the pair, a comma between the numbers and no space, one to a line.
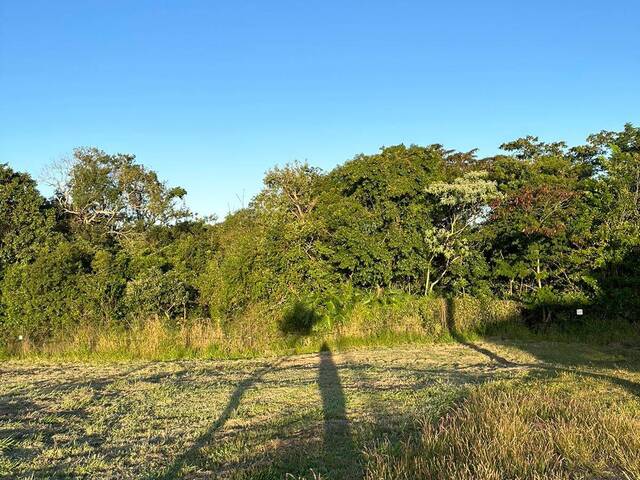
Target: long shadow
(546,365)
(190,456)
(453,331)
(341,457)
(630,386)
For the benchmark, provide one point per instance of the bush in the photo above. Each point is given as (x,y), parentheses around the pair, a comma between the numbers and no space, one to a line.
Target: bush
(41,298)
(156,293)
(102,291)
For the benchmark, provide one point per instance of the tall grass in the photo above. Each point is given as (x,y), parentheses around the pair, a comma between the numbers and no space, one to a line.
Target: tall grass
(151,339)
(567,428)
(154,339)
(264,330)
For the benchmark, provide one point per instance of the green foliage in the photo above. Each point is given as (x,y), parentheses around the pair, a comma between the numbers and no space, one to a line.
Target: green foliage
(101,291)
(367,248)
(376,212)
(300,318)
(154,293)
(105,195)
(26,219)
(41,297)
(459,208)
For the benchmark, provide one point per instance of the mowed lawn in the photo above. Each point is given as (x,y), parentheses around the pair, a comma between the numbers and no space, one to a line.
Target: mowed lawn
(379,413)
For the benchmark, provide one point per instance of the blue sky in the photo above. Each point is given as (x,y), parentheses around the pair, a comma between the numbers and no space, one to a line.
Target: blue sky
(212,94)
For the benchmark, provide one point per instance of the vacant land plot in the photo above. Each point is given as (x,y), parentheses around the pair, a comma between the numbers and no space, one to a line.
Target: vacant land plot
(373,413)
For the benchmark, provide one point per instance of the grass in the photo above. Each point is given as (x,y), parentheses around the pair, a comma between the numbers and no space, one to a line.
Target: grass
(155,341)
(551,429)
(597,331)
(472,410)
(263,330)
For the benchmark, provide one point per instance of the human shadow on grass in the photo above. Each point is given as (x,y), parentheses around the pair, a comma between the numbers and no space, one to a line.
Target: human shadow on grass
(341,456)
(190,456)
(333,453)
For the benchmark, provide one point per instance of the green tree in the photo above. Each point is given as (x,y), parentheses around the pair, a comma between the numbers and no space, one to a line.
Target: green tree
(460,207)
(105,195)
(375,210)
(41,297)
(101,289)
(26,218)
(155,293)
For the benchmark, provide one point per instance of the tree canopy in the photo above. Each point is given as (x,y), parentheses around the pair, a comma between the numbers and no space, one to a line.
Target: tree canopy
(542,223)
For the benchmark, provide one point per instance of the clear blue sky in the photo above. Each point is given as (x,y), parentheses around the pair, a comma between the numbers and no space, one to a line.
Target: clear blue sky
(211,94)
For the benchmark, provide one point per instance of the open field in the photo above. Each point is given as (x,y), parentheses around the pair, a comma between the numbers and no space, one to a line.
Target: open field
(528,410)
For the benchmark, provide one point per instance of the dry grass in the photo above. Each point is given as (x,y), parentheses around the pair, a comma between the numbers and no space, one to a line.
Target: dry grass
(448,411)
(258,331)
(565,428)
(151,339)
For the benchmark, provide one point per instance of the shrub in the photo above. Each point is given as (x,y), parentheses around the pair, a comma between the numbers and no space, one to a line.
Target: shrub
(157,293)
(41,297)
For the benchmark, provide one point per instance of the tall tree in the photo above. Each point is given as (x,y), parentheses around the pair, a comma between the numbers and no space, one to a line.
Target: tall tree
(461,206)
(26,218)
(112,195)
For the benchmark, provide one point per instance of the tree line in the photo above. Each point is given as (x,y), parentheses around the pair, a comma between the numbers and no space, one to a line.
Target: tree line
(545,224)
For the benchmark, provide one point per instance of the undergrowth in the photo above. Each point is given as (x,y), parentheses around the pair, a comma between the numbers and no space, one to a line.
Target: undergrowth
(305,326)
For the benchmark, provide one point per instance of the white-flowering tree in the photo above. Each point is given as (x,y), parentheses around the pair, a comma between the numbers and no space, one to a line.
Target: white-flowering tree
(461,205)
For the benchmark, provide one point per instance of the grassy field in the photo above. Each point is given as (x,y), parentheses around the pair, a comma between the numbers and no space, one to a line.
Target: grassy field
(465,410)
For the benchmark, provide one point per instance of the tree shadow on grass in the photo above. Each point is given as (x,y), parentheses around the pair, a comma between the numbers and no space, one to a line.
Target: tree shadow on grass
(191,455)
(458,337)
(553,364)
(550,364)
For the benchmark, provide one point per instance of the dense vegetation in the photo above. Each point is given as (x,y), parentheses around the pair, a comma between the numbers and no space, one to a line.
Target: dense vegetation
(544,225)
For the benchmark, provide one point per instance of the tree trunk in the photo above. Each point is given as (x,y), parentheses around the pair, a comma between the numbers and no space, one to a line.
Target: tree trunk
(427,285)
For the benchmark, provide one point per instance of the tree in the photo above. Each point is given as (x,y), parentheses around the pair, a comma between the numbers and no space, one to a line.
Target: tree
(26,218)
(530,148)
(155,292)
(537,225)
(111,195)
(376,209)
(293,232)
(543,223)
(461,205)
(618,206)
(290,190)
(101,289)
(40,297)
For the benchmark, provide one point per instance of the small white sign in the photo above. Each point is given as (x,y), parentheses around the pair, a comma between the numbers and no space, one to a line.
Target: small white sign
(19,337)
(579,312)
